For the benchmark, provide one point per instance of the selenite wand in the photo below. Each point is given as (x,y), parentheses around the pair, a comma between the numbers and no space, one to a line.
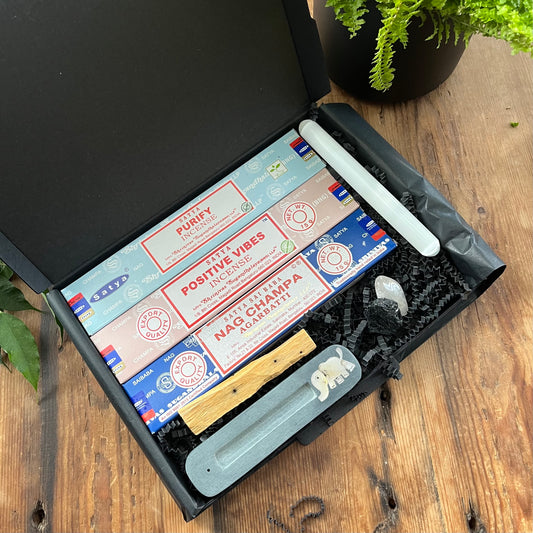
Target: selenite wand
(370,189)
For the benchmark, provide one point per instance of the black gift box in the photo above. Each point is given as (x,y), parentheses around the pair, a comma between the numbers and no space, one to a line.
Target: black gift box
(116,113)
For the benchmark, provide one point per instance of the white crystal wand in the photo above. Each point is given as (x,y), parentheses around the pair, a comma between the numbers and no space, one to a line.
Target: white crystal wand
(370,189)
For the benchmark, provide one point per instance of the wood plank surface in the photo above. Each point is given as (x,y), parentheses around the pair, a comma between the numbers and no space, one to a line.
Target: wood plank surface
(446,449)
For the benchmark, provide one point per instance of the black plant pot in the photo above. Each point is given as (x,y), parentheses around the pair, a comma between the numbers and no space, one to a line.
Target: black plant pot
(419,68)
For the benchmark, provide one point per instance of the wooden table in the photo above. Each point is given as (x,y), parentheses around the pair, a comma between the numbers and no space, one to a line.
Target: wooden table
(446,449)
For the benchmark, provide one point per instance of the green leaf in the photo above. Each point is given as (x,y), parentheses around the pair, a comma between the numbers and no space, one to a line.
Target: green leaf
(5,271)
(16,339)
(514,124)
(11,298)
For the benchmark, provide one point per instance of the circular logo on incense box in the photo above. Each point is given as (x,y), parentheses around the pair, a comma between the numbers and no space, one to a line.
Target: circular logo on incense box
(334,258)
(188,369)
(154,324)
(164,383)
(299,216)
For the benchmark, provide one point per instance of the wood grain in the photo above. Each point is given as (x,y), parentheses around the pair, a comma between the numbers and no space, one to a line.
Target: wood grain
(446,449)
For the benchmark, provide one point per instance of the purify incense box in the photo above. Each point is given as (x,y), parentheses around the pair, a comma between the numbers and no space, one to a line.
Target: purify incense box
(114,286)
(167,316)
(257,319)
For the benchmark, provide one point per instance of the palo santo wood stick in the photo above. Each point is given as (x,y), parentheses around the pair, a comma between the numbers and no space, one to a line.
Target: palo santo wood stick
(203,411)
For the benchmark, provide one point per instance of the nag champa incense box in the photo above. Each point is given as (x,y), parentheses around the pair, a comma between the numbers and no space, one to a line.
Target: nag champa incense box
(144,265)
(168,315)
(257,319)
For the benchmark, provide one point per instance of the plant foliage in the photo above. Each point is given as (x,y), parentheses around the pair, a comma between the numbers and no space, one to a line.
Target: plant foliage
(510,20)
(18,342)
(15,338)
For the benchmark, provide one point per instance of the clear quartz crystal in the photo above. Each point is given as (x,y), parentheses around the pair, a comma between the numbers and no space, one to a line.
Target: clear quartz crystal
(389,288)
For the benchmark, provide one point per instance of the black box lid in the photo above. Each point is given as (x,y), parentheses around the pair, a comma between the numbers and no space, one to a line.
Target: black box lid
(114,112)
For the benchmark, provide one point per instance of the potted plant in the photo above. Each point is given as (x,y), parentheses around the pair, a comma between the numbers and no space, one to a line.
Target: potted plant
(399,49)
